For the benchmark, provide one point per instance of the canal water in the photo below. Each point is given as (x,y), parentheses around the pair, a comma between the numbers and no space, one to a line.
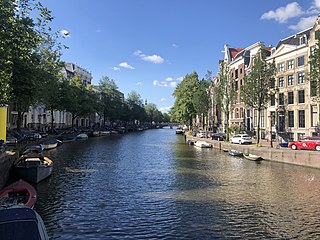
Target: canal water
(151,185)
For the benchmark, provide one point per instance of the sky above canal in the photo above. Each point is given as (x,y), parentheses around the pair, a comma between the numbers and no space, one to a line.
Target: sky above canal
(149,45)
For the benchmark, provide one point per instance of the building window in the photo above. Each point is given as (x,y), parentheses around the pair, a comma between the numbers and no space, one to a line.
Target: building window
(262,119)
(301,96)
(236,86)
(236,73)
(272,100)
(290,118)
(290,64)
(301,119)
(240,70)
(290,80)
(301,136)
(280,67)
(237,113)
(280,82)
(272,83)
(314,116)
(255,118)
(300,61)
(290,98)
(273,118)
(300,77)
(281,99)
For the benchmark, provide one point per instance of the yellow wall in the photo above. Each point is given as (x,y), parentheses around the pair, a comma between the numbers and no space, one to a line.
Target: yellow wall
(3,123)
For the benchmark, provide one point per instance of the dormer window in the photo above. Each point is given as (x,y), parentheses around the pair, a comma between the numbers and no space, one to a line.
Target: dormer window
(303,40)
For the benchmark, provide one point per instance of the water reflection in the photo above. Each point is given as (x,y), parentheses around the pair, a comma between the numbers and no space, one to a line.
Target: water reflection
(151,185)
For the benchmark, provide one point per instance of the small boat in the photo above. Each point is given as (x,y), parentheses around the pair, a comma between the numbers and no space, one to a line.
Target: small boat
(203,144)
(82,136)
(69,137)
(234,152)
(33,167)
(252,157)
(95,133)
(36,148)
(21,223)
(105,133)
(18,193)
(50,144)
(191,142)
(179,131)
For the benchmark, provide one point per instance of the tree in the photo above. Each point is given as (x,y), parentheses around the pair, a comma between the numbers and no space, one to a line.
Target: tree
(225,94)
(135,104)
(255,92)
(201,99)
(183,110)
(23,38)
(314,74)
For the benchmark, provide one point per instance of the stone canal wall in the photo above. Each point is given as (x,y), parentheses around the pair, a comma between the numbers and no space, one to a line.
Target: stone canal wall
(284,155)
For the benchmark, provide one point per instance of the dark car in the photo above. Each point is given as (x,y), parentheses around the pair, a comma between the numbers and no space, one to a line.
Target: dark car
(218,136)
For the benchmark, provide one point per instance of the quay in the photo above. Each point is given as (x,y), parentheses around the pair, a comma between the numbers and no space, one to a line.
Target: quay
(305,158)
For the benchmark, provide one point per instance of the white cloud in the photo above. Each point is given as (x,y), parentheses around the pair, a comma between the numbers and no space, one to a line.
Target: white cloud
(172,84)
(116,69)
(169,79)
(156,59)
(125,65)
(65,33)
(139,83)
(174,45)
(165,109)
(163,99)
(315,7)
(282,14)
(180,79)
(304,23)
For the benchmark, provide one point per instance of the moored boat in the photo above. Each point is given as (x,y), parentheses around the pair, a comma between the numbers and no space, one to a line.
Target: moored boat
(33,167)
(202,144)
(35,148)
(50,144)
(21,223)
(252,157)
(18,193)
(234,152)
(82,136)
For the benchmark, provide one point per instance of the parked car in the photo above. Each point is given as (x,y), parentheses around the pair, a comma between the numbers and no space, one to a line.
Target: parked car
(202,134)
(311,143)
(241,139)
(218,136)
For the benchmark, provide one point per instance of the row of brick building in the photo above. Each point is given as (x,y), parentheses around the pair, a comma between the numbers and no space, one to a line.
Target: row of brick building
(293,112)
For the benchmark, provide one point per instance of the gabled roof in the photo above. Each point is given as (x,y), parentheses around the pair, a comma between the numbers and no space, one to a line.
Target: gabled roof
(294,39)
(235,51)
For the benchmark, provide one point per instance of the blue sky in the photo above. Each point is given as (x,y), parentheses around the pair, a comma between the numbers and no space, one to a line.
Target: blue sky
(149,45)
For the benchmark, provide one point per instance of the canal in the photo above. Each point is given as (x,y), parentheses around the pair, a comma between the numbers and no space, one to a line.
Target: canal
(151,185)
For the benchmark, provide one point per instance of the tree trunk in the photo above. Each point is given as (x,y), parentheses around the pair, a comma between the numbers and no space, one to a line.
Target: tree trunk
(52,120)
(258,127)
(19,121)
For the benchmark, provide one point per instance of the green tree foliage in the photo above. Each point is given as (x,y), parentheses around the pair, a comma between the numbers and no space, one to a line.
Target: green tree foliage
(314,74)
(153,114)
(183,110)
(201,99)
(255,92)
(135,105)
(225,93)
(111,99)
(23,39)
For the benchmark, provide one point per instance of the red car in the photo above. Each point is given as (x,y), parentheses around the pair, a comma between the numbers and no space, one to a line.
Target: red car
(311,143)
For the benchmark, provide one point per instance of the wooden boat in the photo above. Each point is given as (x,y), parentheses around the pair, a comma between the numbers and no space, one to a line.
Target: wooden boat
(202,144)
(82,136)
(36,148)
(33,167)
(252,157)
(179,131)
(50,144)
(21,223)
(69,137)
(234,152)
(18,193)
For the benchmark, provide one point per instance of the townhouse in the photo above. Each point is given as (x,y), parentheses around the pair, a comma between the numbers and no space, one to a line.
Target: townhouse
(293,109)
